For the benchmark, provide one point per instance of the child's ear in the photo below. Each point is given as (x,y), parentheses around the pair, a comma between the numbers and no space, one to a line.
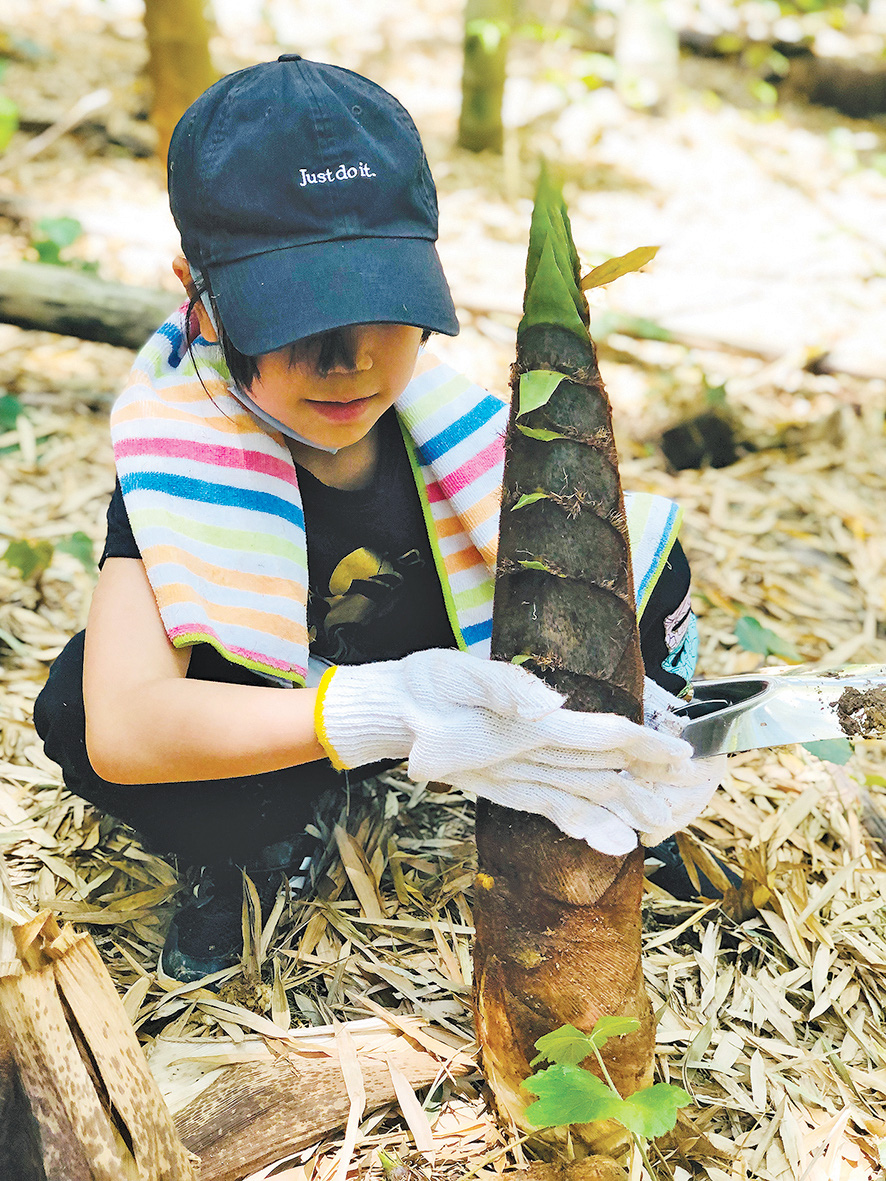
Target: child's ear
(182,272)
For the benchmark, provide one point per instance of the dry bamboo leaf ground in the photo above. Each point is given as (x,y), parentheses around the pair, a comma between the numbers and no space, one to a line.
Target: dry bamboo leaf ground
(775,1023)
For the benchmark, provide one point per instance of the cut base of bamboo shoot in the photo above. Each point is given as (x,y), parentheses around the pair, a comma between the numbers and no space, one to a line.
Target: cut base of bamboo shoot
(98,1111)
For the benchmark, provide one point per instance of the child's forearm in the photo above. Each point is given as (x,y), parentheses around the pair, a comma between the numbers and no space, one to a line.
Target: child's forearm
(180,730)
(146,722)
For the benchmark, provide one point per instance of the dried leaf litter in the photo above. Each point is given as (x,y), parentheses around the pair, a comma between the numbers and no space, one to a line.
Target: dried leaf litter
(774,1022)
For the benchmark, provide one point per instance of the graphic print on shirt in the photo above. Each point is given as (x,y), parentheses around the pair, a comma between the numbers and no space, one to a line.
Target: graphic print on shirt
(681,640)
(363,588)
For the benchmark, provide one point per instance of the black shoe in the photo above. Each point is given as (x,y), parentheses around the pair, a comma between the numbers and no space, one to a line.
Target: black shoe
(206,934)
(672,875)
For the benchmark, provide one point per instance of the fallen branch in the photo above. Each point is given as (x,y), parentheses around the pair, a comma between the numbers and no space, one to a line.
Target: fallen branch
(82,109)
(58,299)
(273,1099)
(814,360)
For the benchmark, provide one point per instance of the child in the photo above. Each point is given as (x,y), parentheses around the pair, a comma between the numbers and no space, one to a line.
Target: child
(296,476)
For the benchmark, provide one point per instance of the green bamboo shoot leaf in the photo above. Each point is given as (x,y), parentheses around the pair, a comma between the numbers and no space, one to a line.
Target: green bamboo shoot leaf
(550,226)
(528,498)
(549,217)
(532,564)
(540,433)
(566,1046)
(30,558)
(754,637)
(832,750)
(652,1111)
(536,388)
(568,1095)
(614,268)
(549,298)
(607,1027)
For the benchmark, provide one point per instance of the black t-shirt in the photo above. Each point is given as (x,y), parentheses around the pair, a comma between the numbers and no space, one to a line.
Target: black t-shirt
(374,593)
(373,589)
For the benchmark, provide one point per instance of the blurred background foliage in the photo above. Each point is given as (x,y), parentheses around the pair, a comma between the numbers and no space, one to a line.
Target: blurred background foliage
(824,51)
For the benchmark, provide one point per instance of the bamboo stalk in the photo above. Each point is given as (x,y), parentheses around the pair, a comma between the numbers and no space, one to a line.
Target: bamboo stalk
(558,924)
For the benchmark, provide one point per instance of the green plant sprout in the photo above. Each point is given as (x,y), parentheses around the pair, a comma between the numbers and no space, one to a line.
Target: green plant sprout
(754,637)
(55,234)
(32,558)
(567,1094)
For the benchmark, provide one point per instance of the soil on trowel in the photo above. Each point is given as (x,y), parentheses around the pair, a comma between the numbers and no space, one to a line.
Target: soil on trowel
(862,712)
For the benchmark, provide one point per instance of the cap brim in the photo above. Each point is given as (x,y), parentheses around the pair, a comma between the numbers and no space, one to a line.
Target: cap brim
(270,300)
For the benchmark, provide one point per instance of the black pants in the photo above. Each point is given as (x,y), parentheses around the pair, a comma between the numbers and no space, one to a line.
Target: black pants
(204,822)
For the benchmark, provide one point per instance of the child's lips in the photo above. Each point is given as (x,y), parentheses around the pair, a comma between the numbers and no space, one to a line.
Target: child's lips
(342,411)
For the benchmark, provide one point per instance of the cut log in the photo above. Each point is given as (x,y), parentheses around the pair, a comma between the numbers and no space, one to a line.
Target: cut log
(558,924)
(63,300)
(89,1108)
(256,1112)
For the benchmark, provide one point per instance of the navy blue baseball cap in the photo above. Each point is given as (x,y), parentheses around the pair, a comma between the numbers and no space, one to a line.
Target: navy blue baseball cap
(303,195)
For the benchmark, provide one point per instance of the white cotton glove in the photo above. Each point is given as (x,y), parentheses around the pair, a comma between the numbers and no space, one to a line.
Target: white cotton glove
(494,729)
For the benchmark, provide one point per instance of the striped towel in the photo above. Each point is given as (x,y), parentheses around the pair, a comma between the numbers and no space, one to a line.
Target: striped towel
(213,501)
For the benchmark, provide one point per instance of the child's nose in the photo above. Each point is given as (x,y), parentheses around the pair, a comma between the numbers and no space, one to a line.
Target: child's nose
(361,345)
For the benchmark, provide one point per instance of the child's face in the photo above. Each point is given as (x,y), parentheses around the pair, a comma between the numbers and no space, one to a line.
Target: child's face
(341,408)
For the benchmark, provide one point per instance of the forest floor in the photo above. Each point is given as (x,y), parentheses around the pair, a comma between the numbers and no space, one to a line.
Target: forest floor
(773,253)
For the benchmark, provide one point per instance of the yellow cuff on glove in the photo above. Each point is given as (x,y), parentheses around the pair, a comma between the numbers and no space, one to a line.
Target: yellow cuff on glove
(320,722)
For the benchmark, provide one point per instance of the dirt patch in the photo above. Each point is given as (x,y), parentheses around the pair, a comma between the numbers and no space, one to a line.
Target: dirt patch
(862,712)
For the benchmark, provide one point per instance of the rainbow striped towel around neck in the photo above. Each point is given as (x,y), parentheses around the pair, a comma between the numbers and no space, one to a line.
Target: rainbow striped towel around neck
(213,500)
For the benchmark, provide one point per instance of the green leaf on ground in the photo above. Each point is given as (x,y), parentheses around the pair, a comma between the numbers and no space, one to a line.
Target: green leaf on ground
(754,637)
(30,558)
(10,409)
(520,660)
(528,498)
(614,268)
(79,546)
(536,388)
(55,234)
(832,750)
(569,1095)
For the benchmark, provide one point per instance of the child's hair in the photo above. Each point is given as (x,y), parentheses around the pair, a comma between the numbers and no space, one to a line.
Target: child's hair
(325,350)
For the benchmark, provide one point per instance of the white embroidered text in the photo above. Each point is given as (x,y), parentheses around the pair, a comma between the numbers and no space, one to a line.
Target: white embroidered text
(343,172)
